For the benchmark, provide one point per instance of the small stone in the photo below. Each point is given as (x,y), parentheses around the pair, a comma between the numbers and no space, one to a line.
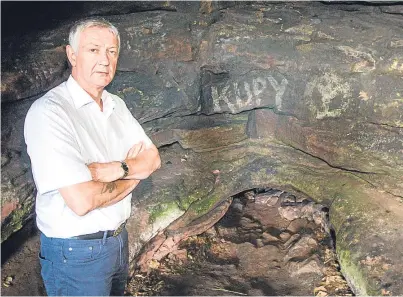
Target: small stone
(285,236)
(302,248)
(396,43)
(247,223)
(308,266)
(318,218)
(227,233)
(154,264)
(290,213)
(291,240)
(8,281)
(296,225)
(267,237)
(317,289)
(259,243)
(250,195)
(266,199)
(307,211)
(321,294)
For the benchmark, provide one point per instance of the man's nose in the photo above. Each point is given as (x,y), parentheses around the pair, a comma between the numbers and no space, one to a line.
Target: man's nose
(103,58)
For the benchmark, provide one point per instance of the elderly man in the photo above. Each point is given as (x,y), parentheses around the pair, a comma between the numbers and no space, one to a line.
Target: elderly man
(88,153)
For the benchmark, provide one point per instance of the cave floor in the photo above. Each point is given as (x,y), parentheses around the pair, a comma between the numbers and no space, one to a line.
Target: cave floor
(20,262)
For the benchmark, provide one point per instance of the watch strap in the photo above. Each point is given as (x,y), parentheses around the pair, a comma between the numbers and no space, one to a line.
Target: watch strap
(125,169)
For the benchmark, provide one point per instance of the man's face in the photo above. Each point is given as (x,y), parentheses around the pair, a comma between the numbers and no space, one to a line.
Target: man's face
(94,64)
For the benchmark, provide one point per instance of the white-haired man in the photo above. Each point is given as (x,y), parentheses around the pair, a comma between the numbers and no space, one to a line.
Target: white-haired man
(87,153)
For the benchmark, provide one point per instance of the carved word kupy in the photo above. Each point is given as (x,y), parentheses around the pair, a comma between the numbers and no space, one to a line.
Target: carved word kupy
(252,92)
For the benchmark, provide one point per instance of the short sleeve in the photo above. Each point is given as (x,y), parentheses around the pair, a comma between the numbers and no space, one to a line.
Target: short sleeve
(55,156)
(139,131)
(135,131)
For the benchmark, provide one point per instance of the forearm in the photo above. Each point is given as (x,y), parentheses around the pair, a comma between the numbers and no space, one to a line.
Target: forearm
(140,164)
(85,197)
(113,192)
(144,164)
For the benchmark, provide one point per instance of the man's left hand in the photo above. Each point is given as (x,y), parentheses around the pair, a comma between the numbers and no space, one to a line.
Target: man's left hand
(106,172)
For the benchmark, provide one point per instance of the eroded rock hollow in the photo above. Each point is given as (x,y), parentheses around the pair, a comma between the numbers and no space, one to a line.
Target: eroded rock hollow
(304,97)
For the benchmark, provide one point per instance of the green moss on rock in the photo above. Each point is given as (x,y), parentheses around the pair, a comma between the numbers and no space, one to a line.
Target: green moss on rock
(17,219)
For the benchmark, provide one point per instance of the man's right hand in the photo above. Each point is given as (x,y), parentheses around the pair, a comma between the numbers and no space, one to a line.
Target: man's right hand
(105,172)
(135,150)
(142,161)
(111,171)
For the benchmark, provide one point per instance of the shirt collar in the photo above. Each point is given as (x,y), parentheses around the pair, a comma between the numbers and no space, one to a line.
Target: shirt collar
(81,97)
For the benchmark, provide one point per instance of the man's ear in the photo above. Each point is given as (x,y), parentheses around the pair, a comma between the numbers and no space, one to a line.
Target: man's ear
(71,55)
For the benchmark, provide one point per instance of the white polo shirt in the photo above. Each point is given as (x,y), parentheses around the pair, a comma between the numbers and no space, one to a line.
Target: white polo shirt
(65,130)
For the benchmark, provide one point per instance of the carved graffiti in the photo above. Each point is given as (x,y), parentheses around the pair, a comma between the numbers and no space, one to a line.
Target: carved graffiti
(328,96)
(240,94)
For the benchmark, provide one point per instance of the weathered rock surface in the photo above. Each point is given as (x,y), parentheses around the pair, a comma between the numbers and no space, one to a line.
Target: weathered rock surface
(304,97)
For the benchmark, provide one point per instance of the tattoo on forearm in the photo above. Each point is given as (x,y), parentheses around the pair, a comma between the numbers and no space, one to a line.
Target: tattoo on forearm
(109,187)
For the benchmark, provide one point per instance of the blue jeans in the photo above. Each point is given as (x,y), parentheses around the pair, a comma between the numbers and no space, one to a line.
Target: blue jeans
(72,267)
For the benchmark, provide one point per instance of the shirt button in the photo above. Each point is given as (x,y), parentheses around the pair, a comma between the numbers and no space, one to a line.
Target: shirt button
(64,261)
(90,247)
(70,249)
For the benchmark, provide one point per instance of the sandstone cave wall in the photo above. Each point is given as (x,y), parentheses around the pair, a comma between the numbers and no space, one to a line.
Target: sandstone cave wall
(300,91)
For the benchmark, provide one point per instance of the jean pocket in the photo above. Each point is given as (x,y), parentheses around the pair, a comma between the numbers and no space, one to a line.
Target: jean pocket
(80,252)
(47,274)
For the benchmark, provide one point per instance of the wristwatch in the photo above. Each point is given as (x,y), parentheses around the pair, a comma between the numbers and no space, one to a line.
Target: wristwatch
(125,169)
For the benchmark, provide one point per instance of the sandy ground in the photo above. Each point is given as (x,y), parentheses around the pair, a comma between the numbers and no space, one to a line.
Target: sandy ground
(19,260)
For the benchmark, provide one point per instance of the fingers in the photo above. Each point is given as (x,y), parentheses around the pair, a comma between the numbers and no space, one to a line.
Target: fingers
(132,150)
(105,172)
(137,147)
(135,150)
(94,174)
(96,171)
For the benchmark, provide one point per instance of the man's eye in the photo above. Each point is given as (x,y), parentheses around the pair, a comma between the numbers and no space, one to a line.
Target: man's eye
(93,50)
(113,52)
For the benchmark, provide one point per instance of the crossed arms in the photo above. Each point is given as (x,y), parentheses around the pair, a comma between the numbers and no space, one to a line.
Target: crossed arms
(106,187)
